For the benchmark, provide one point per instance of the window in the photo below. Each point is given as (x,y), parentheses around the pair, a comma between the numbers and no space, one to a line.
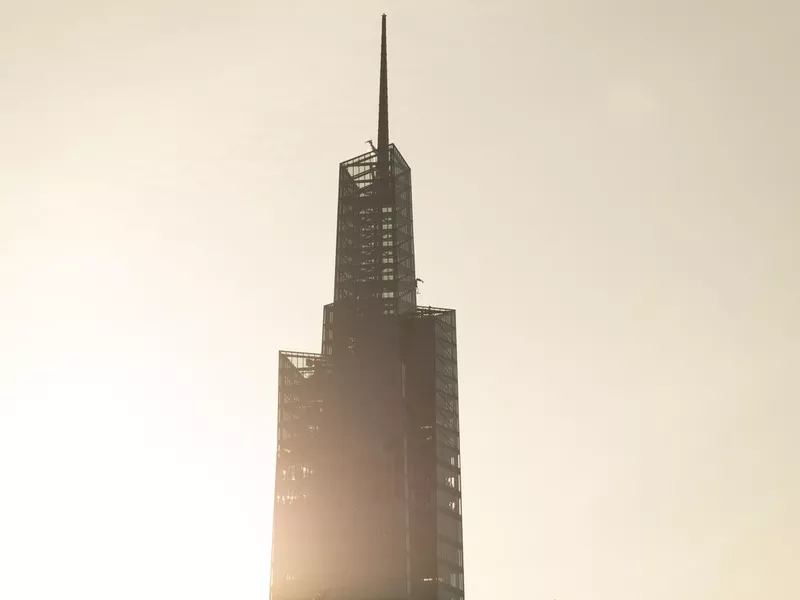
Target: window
(450,527)
(451,553)
(455,580)
(449,501)
(290,497)
(448,478)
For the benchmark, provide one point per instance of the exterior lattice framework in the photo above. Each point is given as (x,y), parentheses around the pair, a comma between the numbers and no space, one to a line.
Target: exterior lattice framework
(375,238)
(303,382)
(434,461)
(450,548)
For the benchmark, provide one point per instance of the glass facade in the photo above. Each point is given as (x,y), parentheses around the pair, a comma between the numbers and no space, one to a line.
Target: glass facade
(296,552)
(435,508)
(375,236)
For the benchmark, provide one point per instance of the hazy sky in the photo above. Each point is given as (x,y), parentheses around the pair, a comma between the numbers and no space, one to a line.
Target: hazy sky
(608,192)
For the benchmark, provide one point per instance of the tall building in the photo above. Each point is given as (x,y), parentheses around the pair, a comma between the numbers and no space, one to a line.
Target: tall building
(368,472)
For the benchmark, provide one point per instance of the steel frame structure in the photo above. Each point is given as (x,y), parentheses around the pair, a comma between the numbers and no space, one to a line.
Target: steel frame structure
(435,506)
(375,271)
(368,469)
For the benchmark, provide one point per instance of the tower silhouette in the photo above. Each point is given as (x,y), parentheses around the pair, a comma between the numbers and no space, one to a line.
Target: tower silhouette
(368,468)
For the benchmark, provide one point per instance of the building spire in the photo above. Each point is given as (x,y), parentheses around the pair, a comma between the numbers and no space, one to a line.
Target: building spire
(383,100)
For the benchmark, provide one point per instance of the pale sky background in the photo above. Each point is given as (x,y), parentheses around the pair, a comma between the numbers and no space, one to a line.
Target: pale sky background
(608,192)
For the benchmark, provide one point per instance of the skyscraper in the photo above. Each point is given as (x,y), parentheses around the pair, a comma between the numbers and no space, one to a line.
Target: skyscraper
(368,483)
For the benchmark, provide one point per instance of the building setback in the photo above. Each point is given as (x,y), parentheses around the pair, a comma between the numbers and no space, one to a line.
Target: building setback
(368,468)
